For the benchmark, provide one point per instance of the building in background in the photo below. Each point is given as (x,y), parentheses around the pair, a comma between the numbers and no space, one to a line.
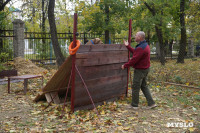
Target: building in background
(16,13)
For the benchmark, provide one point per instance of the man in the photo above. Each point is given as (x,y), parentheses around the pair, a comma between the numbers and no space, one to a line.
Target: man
(141,62)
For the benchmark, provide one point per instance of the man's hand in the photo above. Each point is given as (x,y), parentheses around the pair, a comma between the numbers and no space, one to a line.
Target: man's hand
(125,43)
(122,67)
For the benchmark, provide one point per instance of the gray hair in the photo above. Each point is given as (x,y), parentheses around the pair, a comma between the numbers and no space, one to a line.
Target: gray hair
(142,34)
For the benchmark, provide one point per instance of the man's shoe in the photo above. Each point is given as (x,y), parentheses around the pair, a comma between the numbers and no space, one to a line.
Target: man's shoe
(131,107)
(151,107)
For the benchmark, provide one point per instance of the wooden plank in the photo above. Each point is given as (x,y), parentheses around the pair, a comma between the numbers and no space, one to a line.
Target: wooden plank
(80,101)
(100,67)
(48,97)
(101,58)
(94,72)
(52,97)
(61,76)
(102,80)
(100,89)
(103,54)
(101,47)
(90,106)
(55,97)
(101,61)
(59,80)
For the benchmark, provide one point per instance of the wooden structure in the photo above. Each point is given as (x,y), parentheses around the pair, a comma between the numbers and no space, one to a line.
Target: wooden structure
(100,68)
(7,73)
(94,73)
(25,78)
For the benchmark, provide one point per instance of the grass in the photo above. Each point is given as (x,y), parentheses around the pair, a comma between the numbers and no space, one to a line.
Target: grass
(115,116)
(187,73)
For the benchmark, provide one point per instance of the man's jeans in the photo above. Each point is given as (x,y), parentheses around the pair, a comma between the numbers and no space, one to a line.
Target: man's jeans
(140,81)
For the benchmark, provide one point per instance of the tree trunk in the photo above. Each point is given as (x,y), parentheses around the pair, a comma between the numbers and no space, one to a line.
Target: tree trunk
(59,56)
(3,4)
(43,28)
(148,37)
(1,28)
(191,48)
(43,17)
(171,47)
(160,40)
(183,41)
(159,35)
(107,22)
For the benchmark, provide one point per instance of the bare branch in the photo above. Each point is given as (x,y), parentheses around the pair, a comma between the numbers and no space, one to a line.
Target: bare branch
(4,4)
(152,10)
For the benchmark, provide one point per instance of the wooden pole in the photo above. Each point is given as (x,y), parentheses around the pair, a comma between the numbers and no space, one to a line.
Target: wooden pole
(73,64)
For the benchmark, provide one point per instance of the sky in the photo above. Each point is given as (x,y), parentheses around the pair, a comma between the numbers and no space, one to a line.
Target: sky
(17,4)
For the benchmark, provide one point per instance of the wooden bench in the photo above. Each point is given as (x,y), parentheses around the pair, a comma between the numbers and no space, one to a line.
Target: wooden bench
(25,78)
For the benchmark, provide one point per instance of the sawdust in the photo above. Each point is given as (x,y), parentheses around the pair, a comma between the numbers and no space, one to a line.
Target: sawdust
(25,66)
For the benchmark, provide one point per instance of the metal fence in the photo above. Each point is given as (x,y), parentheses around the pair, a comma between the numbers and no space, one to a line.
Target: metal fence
(6,45)
(38,46)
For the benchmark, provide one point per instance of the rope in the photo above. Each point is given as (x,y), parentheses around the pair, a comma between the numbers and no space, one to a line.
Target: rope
(66,93)
(87,90)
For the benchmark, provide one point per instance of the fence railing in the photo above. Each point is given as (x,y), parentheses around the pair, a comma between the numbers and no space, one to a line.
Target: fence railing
(6,45)
(38,45)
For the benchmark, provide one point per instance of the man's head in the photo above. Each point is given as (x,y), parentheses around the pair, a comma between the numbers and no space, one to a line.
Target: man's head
(140,36)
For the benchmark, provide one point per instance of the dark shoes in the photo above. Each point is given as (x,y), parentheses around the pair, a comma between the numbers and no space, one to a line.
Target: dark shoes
(151,107)
(148,107)
(131,107)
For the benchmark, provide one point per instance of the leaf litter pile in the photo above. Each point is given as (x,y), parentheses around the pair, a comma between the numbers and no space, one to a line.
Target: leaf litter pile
(176,104)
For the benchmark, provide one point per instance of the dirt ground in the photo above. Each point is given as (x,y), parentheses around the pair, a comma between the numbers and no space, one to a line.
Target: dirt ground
(176,105)
(20,114)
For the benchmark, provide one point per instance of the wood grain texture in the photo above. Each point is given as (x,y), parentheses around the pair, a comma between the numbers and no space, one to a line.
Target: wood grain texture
(101,48)
(100,67)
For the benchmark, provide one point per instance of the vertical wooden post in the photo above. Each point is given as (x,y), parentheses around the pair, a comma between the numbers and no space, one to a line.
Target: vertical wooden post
(25,85)
(129,42)
(73,63)
(8,85)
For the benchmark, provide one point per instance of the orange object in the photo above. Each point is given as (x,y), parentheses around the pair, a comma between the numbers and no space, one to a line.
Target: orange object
(73,51)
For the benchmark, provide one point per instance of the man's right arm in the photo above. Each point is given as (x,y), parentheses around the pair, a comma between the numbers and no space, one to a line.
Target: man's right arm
(128,46)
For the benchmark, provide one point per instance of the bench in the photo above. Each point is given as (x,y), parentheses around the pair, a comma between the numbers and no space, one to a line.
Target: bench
(25,78)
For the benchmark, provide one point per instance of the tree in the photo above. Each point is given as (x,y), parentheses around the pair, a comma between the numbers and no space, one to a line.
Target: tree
(158,32)
(59,57)
(107,19)
(159,19)
(3,21)
(105,16)
(183,41)
(193,19)
(3,4)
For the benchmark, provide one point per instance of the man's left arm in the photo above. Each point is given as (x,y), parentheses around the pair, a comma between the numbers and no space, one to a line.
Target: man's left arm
(136,57)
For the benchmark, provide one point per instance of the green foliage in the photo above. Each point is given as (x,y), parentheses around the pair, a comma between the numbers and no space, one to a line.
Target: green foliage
(197,97)
(2,67)
(166,17)
(93,17)
(193,19)
(3,56)
(178,79)
(5,19)
(6,66)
